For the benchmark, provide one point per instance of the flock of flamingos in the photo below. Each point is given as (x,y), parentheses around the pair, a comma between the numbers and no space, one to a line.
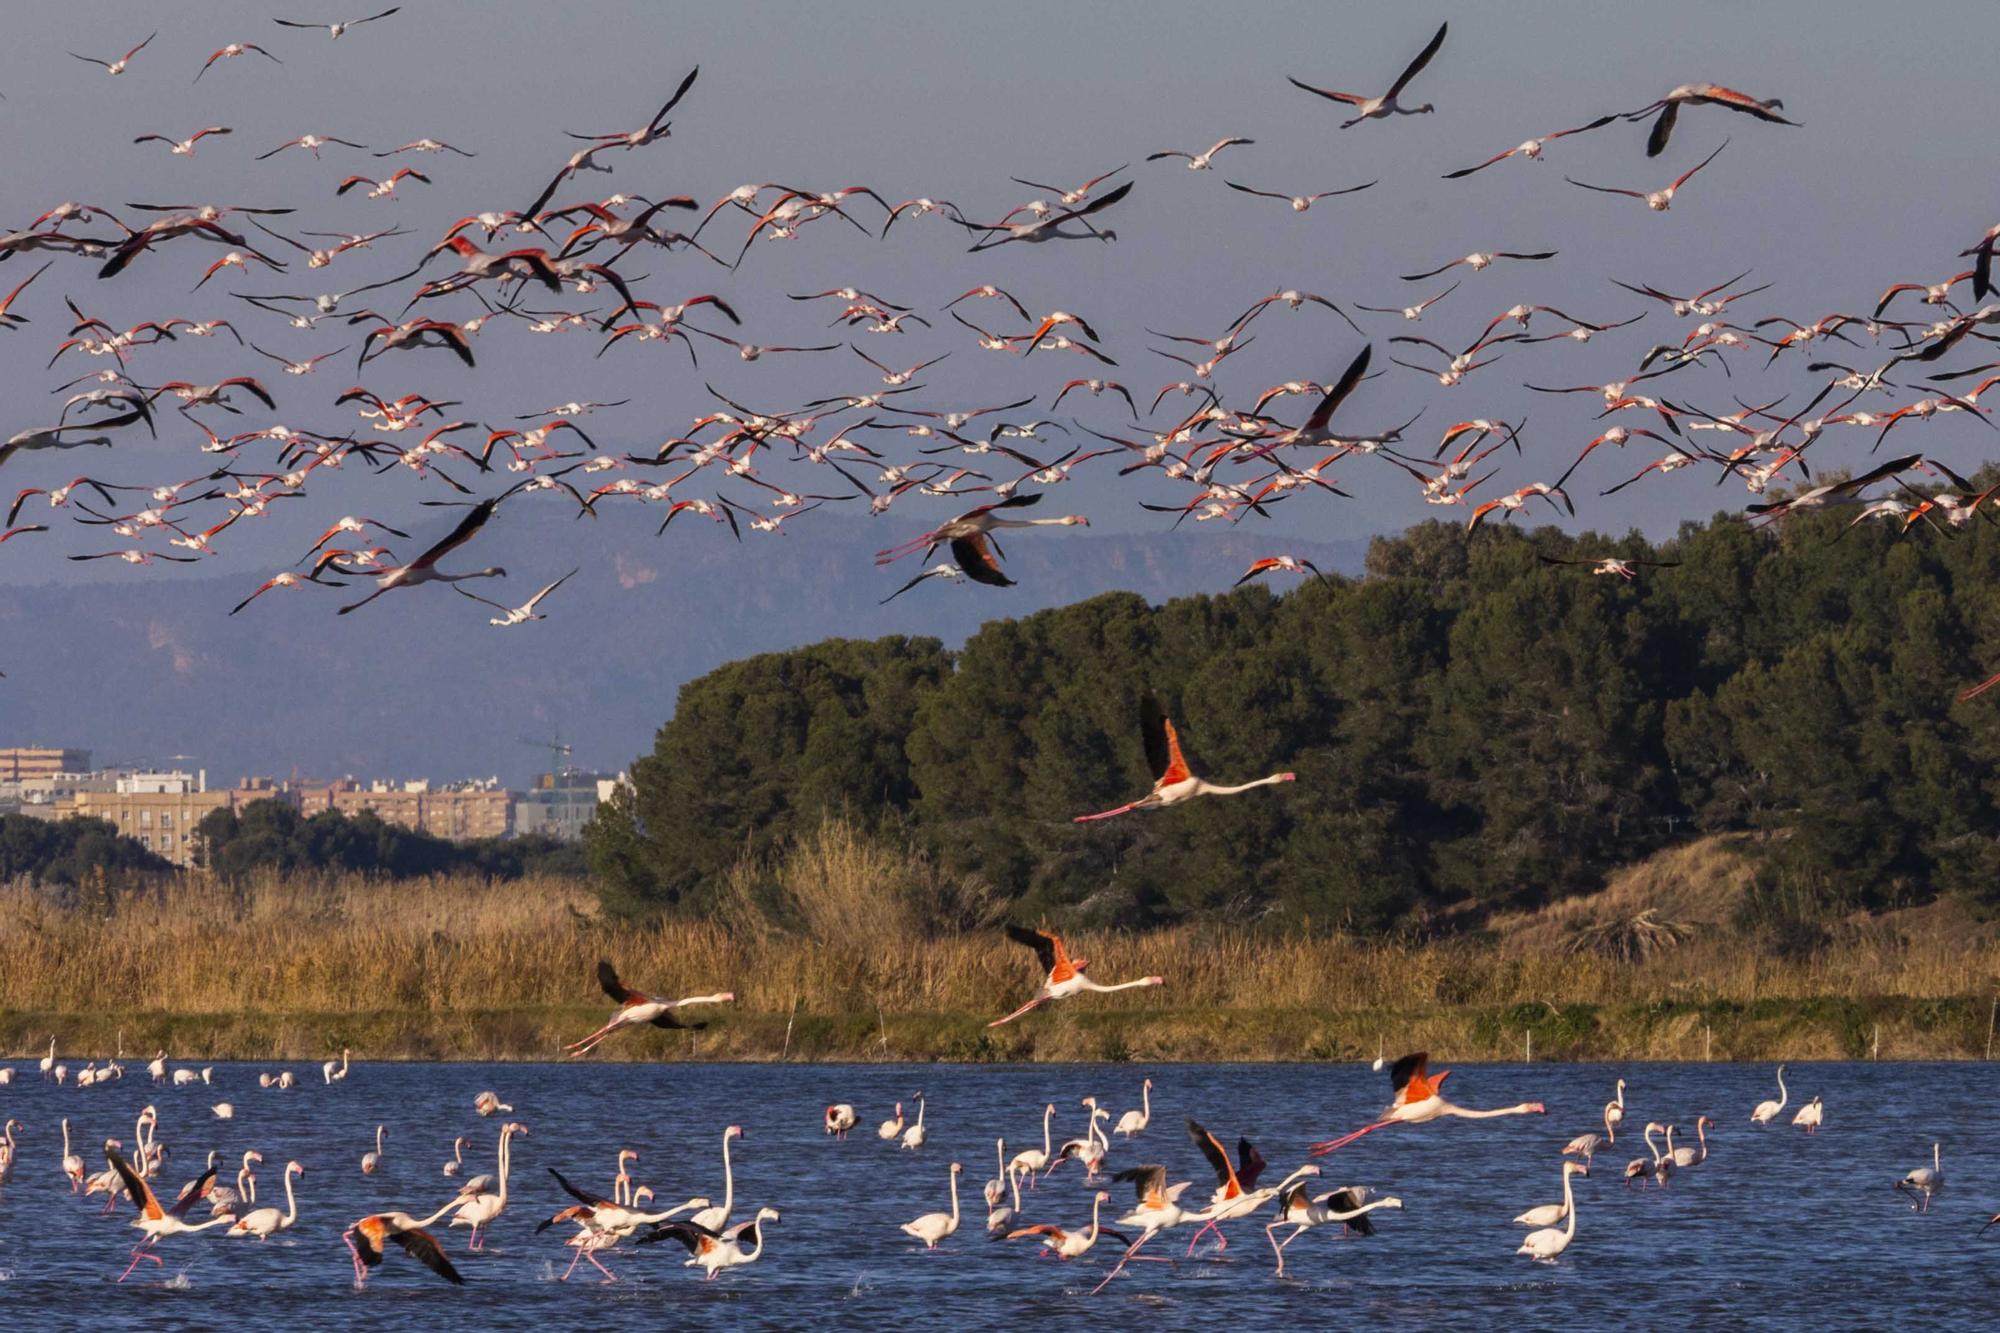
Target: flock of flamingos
(597,1222)
(1223,453)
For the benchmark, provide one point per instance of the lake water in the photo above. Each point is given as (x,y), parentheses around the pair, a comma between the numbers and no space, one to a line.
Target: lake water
(1778,1229)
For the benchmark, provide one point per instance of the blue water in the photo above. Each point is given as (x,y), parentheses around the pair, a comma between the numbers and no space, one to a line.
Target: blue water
(1777,1229)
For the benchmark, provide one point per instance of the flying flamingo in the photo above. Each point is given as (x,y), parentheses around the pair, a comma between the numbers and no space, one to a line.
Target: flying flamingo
(364,1241)
(1550,1214)
(1065,977)
(424,568)
(1378,108)
(1346,1206)
(934,1227)
(264,1222)
(1543,1246)
(154,1221)
(1924,1183)
(1135,1122)
(1158,1209)
(118,66)
(1173,781)
(1702,94)
(975,525)
(1767,1110)
(1419,1099)
(636,1007)
(717,1217)
(1235,1186)
(479,1211)
(1068,1245)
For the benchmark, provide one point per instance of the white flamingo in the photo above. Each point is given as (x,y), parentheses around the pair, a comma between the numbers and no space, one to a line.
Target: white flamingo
(1924,1183)
(1543,1246)
(892,1128)
(483,1209)
(263,1223)
(1029,1161)
(1134,1122)
(934,1227)
(1767,1110)
(1549,1214)
(716,1218)
(913,1137)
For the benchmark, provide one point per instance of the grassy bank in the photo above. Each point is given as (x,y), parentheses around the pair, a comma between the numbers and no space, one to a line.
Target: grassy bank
(297,968)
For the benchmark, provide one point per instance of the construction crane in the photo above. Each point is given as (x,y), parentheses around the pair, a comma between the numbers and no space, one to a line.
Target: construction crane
(558,751)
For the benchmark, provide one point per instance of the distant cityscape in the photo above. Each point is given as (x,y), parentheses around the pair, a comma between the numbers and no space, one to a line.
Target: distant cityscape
(161,805)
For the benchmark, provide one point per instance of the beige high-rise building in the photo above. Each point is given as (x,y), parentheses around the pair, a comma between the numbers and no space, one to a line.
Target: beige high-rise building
(456,813)
(20,763)
(159,810)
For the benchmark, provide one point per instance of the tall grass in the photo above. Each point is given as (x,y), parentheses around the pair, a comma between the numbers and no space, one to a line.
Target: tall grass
(826,933)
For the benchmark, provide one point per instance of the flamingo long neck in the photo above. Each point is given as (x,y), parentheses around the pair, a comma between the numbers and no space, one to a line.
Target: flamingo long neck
(10,1138)
(1783,1096)
(1000,1156)
(1611,1133)
(378,1139)
(729,1185)
(1649,1144)
(1210,789)
(1670,1141)
(954,1202)
(291,1203)
(1937,1166)
(1048,1144)
(506,1154)
(1701,1133)
(1620,1098)
(1088,984)
(450,1204)
(1569,1205)
(920,1113)
(243,1190)
(758,1248)
(1146,1099)
(1098,1136)
(1096,1208)
(1449,1108)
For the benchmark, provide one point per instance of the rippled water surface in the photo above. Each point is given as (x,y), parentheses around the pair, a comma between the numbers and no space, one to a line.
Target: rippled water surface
(1778,1228)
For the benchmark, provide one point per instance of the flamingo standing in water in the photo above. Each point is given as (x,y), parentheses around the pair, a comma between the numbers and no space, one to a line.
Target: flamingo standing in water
(1419,1099)
(636,1007)
(1925,1183)
(1543,1246)
(1549,1214)
(891,1129)
(480,1210)
(934,1227)
(1135,1122)
(264,1222)
(1030,1161)
(457,1162)
(1810,1116)
(335,1070)
(1614,1113)
(1173,780)
(1346,1206)
(996,1189)
(913,1137)
(1065,975)
(371,1160)
(839,1120)
(157,1222)
(1639,1167)
(715,1218)
(72,1163)
(1767,1110)
(1001,1215)
(486,1103)
(1685,1157)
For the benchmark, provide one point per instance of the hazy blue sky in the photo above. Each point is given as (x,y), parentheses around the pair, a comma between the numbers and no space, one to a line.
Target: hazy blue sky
(1888,179)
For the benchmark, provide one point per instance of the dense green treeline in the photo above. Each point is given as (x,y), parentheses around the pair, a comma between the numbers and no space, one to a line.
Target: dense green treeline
(274,835)
(70,852)
(1471,726)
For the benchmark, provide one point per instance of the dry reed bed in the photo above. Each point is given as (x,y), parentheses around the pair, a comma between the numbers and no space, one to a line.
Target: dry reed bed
(284,946)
